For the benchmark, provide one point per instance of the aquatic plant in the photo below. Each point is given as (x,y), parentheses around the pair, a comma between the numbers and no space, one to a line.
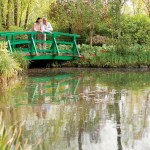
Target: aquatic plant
(11,138)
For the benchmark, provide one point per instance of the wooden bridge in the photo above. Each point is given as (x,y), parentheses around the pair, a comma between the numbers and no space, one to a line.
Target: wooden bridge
(58,45)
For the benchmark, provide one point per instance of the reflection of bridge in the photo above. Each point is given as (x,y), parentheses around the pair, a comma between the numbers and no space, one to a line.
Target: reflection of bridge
(52,89)
(59,46)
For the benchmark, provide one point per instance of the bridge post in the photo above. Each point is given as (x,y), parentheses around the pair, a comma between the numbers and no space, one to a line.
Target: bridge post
(54,46)
(13,39)
(30,45)
(75,48)
(8,38)
(33,49)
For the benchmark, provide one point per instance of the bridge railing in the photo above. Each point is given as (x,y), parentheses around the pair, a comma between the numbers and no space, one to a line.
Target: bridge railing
(27,42)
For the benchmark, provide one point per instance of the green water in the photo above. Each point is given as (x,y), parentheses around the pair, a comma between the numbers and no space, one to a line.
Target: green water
(81,109)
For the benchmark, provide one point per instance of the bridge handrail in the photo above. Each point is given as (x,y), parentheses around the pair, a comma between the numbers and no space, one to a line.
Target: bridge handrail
(66,34)
(32,41)
(36,32)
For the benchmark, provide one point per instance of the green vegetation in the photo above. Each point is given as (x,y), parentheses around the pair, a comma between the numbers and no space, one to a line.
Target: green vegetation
(119,27)
(108,57)
(10,64)
(10,138)
(120,37)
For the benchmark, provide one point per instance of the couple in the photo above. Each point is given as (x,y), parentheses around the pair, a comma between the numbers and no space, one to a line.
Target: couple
(42,25)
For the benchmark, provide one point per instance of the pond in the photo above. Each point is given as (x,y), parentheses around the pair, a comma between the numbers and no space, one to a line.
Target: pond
(81,109)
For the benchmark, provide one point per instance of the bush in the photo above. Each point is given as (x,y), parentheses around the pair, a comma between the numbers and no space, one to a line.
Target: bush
(10,64)
(136,29)
(23,62)
(107,56)
(15,28)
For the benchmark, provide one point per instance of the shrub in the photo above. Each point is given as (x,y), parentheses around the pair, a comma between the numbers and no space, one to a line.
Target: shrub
(23,62)
(10,64)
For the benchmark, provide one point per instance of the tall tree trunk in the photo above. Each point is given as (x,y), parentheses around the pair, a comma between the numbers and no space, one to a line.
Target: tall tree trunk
(27,14)
(8,14)
(148,7)
(2,14)
(91,38)
(26,18)
(91,34)
(133,3)
(16,12)
(20,18)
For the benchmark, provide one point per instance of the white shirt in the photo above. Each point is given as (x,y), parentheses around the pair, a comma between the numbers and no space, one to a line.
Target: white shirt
(47,27)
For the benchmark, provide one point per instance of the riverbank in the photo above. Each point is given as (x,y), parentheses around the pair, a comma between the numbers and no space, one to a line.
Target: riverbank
(11,65)
(136,56)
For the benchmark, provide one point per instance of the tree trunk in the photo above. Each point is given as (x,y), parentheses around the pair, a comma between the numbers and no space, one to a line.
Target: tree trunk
(91,38)
(20,18)
(27,13)
(16,12)
(91,34)
(2,14)
(8,14)
(148,7)
(26,18)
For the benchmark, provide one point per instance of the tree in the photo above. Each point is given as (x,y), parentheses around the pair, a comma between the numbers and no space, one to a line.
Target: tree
(27,13)
(147,5)
(81,17)
(16,7)
(8,14)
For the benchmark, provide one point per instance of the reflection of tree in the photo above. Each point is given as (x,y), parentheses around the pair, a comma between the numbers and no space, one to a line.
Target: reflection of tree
(114,109)
(80,131)
(135,117)
(118,125)
(146,108)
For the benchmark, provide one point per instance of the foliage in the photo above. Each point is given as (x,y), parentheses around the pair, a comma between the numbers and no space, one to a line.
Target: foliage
(98,22)
(108,56)
(103,21)
(136,29)
(15,28)
(10,64)
(81,18)
(20,13)
(23,62)
(10,138)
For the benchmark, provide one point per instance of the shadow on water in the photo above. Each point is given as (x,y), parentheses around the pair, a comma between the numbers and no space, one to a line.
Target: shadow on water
(81,109)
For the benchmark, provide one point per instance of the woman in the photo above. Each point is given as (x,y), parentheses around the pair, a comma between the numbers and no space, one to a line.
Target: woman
(38,28)
(37,25)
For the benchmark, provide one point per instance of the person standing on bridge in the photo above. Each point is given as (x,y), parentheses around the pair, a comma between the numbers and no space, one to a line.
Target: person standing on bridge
(46,28)
(38,28)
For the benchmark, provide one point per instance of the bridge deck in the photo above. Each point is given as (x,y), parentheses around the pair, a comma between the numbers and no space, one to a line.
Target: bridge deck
(56,46)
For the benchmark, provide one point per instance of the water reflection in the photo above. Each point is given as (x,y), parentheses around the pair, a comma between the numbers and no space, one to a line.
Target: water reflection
(82,110)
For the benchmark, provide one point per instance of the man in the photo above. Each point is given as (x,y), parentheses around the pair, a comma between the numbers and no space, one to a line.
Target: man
(46,26)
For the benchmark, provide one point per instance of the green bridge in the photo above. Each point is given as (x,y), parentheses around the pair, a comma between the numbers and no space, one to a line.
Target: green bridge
(58,45)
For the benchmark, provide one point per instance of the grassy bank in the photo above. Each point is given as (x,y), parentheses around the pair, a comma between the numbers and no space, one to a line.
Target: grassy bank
(135,56)
(10,64)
